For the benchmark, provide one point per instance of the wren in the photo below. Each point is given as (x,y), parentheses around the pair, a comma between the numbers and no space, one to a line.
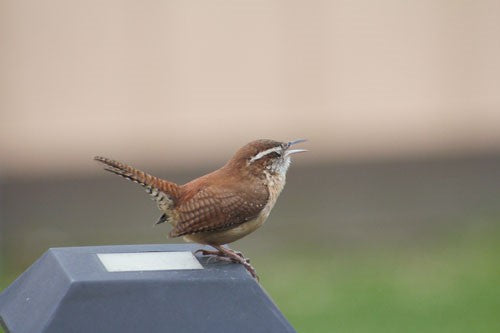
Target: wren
(224,205)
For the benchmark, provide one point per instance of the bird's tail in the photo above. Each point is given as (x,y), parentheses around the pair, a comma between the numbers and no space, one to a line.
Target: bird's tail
(165,193)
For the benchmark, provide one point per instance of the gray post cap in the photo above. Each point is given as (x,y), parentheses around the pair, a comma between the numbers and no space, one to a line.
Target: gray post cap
(76,290)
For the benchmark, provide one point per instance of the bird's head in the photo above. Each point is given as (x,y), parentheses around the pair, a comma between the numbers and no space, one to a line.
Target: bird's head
(265,156)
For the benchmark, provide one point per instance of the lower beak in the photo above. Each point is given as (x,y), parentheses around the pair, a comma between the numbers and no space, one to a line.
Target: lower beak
(294,151)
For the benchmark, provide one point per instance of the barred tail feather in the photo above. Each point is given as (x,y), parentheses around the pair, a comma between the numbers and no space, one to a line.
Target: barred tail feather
(163,192)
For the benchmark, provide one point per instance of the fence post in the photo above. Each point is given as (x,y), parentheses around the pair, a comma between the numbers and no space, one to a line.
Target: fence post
(136,288)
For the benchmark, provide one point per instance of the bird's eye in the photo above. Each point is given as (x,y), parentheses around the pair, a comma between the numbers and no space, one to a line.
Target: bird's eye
(275,154)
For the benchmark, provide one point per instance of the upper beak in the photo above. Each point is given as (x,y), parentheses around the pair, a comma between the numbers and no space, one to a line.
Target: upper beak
(295,151)
(294,142)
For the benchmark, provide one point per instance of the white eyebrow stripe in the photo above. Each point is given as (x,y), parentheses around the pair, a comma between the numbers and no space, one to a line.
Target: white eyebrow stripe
(264,153)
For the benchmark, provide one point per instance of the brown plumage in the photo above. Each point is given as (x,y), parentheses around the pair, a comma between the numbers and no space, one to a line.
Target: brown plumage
(224,205)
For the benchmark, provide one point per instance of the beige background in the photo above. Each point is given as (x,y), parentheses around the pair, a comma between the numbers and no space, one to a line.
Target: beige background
(177,83)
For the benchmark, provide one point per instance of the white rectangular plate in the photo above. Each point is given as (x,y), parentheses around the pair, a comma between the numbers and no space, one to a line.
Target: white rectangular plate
(148,261)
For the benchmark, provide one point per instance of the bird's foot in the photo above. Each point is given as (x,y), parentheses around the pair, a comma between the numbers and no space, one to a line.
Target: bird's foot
(219,255)
(241,255)
(214,255)
(209,253)
(228,255)
(237,257)
(246,263)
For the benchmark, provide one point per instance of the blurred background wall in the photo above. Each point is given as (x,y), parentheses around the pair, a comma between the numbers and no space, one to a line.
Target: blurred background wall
(400,101)
(163,82)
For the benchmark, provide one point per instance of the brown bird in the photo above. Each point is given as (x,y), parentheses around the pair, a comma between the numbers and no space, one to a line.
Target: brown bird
(222,206)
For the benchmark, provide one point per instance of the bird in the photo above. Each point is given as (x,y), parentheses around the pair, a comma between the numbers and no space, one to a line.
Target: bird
(222,206)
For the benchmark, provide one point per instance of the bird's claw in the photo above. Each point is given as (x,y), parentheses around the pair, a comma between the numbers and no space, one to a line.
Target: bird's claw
(229,255)
(209,253)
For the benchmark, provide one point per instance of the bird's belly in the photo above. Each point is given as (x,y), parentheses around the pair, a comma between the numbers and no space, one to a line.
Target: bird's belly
(230,235)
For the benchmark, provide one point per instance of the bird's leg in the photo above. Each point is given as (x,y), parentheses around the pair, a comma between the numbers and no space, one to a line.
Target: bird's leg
(215,255)
(238,253)
(226,254)
(220,254)
(237,258)
(209,253)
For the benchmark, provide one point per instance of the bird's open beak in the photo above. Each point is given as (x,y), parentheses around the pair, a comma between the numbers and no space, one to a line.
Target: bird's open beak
(295,151)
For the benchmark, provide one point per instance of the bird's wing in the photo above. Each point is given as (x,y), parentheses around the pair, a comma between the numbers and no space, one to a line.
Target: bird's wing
(163,192)
(216,208)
